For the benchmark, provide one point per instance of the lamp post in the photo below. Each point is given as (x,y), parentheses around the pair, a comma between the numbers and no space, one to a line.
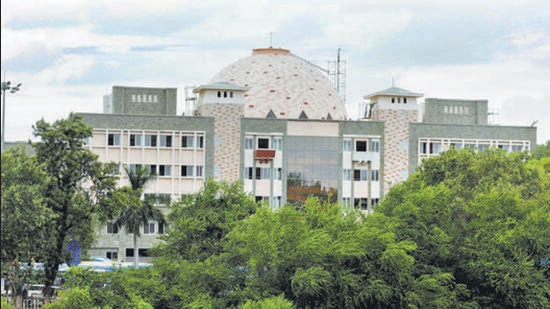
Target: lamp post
(6,86)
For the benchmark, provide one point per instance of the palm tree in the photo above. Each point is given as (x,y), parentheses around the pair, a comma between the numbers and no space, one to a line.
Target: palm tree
(139,209)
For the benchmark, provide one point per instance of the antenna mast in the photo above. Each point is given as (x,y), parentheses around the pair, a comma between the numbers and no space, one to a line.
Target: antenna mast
(337,75)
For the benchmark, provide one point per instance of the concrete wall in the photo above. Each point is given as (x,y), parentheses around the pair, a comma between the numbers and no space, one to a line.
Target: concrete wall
(144,101)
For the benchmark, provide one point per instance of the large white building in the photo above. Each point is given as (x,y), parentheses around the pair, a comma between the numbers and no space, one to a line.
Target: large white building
(273,121)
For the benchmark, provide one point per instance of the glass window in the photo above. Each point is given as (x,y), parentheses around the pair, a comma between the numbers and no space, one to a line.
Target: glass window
(248,143)
(347,174)
(113,255)
(200,142)
(112,228)
(161,228)
(198,170)
(375,145)
(277,144)
(136,140)
(166,140)
(165,170)
(149,228)
(347,145)
(360,175)
(263,143)
(151,140)
(187,170)
(375,175)
(360,146)
(113,139)
(265,173)
(187,141)
(277,174)
(153,169)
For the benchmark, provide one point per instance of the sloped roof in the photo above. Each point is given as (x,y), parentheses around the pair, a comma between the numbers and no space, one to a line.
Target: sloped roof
(394,91)
(220,86)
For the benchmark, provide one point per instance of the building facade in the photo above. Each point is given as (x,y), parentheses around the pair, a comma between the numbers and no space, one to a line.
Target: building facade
(272,121)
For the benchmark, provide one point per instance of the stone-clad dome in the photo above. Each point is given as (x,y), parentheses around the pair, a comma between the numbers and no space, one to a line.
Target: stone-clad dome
(281,82)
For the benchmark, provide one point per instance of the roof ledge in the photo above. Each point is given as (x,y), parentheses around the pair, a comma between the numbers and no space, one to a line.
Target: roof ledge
(271,51)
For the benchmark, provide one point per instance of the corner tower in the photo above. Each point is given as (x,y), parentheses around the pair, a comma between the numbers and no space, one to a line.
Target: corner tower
(225,103)
(397,108)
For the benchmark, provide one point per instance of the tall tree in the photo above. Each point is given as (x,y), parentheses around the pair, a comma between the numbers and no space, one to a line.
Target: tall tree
(24,216)
(138,209)
(76,191)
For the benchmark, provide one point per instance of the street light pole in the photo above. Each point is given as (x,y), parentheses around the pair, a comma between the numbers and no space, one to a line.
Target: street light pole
(6,85)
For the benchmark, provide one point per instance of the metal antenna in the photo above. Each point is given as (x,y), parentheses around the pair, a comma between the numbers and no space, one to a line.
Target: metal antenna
(271,40)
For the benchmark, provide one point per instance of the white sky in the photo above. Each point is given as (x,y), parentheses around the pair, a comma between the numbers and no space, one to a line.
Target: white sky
(68,53)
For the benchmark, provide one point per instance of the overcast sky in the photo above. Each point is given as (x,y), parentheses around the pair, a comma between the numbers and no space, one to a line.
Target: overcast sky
(69,53)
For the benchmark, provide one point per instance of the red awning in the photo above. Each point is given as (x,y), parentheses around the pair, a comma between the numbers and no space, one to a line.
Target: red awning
(264,154)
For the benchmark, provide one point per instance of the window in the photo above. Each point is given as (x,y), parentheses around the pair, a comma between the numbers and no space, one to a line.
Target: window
(398,100)
(277,144)
(248,143)
(393,100)
(276,202)
(187,170)
(136,140)
(187,141)
(231,94)
(150,140)
(361,146)
(375,175)
(263,143)
(129,252)
(375,145)
(87,141)
(347,145)
(277,173)
(404,100)
(225,94)
(265,173)
(149,228)
(162,228)
(113,255)
(113,139)
(155,98)
(200,142)
(112,228)
(219,94)
(166,141)
(347,174)
(133,97)
(143,252)
(153,168)
(360,175)
(247,173)
(198,170)
(258,173)
(165,170)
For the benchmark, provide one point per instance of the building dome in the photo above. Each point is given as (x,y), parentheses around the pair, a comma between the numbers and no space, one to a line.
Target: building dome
(283,85)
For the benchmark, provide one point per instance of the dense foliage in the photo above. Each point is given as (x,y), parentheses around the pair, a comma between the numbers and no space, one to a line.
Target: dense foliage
(51,197)
(466,231)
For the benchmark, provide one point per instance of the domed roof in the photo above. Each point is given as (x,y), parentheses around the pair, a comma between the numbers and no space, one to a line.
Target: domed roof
(283,85)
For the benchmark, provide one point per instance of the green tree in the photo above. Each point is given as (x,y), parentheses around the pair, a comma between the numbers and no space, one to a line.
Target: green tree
(138,208)
(481,226)
(24,216)
(76,189)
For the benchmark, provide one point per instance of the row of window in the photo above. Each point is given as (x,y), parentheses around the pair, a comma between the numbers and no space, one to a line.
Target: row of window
(262,173)
(360,145)
(434,147)
(360,203)
(150,228)
(154,140)
(363,145)
(362,175)
(166,170)
(113,255)
(263,143)
(398,100)
(456,109)
(145,98)
(275,201)
(225,93)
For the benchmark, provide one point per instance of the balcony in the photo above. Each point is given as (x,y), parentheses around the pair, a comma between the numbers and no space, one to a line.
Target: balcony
(264,155)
